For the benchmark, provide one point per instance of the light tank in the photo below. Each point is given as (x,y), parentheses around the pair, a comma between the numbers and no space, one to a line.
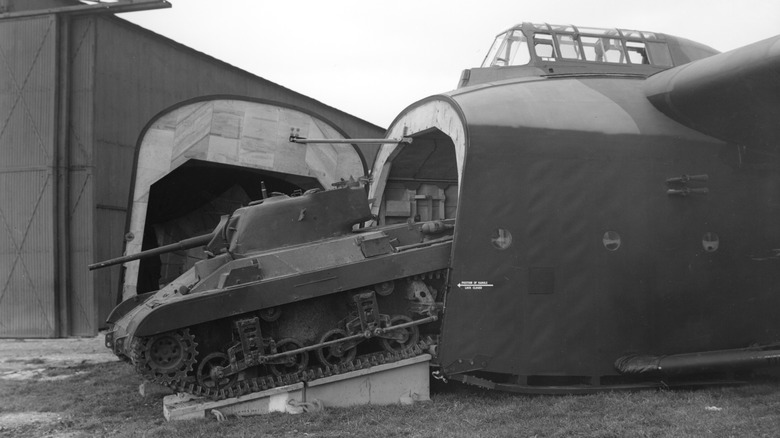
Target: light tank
(293,290)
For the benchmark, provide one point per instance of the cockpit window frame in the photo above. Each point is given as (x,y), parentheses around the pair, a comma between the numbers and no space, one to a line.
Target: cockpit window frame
(640,42)
(506,52)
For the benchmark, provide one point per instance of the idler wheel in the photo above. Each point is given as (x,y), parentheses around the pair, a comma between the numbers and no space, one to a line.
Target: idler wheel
(336,354)
(290,364)
(400,339)
(208,364)
(168,357)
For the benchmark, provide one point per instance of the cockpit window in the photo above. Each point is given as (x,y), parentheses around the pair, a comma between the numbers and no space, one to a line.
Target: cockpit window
(637,52)
(659,54)
(548,43)
(612,50)
(543,46)
(589,48)
(602,49)
(510,48)
(570,49)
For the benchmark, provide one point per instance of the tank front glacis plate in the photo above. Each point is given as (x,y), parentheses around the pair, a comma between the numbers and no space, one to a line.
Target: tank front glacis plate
(122,330)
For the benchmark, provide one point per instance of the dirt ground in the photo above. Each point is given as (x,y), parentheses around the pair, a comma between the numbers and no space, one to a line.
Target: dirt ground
(24,356)
(34,359)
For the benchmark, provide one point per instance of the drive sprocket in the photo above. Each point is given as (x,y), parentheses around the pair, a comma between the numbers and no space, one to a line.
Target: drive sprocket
(165,358)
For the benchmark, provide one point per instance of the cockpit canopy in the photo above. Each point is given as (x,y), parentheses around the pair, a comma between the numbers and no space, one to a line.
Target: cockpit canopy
(531,49)
(528,41)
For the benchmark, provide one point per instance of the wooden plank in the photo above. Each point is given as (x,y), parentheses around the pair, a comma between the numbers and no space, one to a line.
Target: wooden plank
(190,407)
(385,384)
(392,383)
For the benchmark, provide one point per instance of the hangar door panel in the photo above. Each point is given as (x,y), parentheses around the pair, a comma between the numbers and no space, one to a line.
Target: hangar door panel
(27,204)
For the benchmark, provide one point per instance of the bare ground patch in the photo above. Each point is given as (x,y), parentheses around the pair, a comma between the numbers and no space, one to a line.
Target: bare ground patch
(18,354)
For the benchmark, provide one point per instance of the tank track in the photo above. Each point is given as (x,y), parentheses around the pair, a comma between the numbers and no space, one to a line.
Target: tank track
(261,383)
(250,362)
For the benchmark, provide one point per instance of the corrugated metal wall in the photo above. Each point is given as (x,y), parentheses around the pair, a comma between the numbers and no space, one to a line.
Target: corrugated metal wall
(75,94)
(82,305)
(28,99)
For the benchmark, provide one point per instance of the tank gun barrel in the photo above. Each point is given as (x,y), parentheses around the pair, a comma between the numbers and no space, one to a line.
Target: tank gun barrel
(192,242)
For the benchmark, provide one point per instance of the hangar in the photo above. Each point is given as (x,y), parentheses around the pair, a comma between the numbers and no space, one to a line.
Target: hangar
(78,88)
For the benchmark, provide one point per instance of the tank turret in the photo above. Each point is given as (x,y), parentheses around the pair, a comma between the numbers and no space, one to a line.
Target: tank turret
(299,219)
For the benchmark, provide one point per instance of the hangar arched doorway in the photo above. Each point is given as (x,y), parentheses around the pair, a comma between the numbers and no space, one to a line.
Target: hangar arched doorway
(200,160)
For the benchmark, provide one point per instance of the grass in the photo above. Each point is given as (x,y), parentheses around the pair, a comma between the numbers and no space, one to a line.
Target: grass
(103,400)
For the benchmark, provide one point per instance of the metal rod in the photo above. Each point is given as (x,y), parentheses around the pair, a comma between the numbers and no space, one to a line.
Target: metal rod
(426,243)
(302,140)
(114,8)
(431,318)
(423,180)
(348,338)
(313,347)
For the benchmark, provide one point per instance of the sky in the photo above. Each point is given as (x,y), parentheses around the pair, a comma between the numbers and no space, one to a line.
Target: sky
(374,58)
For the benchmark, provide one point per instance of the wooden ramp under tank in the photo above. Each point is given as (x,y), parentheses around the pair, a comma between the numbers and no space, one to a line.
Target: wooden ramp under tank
(398,382)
